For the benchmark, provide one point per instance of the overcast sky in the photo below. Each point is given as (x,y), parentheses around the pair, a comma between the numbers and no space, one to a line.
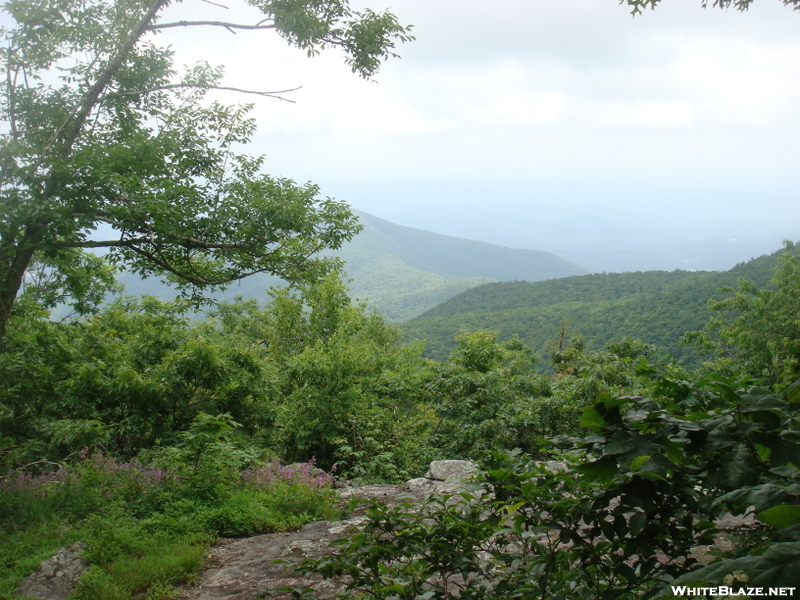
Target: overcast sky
(507,118)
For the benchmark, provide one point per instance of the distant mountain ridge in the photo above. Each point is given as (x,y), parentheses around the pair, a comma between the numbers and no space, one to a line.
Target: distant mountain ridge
(459,257)
(655,306)
(402,271)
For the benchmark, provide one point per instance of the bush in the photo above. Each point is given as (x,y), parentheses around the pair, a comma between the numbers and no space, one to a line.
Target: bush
(618,519)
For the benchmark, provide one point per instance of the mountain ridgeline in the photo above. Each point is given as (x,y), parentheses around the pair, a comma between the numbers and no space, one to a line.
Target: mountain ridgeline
(402,272)
(657,307)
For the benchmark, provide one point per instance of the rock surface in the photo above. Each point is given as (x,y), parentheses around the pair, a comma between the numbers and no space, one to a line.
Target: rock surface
(56,577)
(246,568)
(243,569)
(448,470)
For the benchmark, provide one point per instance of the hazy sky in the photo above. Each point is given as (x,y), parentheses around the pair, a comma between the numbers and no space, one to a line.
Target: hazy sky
(509,119)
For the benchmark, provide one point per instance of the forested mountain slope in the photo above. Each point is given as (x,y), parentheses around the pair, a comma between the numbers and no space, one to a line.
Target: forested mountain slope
(655,306)
(402,271)
(453,256)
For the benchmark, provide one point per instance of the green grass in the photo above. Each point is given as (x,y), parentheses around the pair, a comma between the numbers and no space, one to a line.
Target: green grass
(144,534)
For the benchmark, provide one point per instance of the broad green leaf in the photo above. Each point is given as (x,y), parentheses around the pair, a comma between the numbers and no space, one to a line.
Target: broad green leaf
(602,469)
(778,566)
(591,418)
(793,393)
(784,515)
(637,523)
(762,496)
(763,453)
(637,462)
(790,435)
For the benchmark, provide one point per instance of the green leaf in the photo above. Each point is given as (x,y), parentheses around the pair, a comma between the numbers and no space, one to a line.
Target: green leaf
(564,536)
(591,418)
(637,523)
(784,515)
(793,393)
(602,469)
(776,567)
(395,587)
(637,462)
(762,497)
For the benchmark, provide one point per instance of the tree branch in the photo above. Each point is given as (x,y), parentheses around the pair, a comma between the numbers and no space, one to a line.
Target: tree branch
(229,26)
(121,243)
(92,96)
(182,240)
(194,279)
(173,86)
(216,4)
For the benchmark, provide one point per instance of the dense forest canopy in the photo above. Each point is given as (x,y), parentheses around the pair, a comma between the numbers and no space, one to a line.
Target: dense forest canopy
(655,306)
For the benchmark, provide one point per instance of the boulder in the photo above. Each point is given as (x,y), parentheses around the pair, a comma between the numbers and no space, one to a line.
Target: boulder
(445,470)
(56,577)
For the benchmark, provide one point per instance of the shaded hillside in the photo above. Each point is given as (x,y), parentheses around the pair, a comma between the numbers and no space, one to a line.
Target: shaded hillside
(452,256)
(655,306)
(402,271)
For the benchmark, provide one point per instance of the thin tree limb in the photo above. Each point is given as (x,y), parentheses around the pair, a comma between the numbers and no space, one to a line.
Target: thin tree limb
(216,4)
(172,86)
(225,24)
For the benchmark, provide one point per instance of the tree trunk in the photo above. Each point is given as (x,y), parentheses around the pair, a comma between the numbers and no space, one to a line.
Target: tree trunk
(18,248)
(13,272)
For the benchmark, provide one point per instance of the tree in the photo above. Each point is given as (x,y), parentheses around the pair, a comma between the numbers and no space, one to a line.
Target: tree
(756,331)
(487,396)
(98,129)
(740,5)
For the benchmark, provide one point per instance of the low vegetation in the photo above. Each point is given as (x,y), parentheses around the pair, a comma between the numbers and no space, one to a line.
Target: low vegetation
(147,523)
(146,434)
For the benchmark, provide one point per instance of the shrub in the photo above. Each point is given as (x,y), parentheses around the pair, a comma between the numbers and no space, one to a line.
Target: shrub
(619,519)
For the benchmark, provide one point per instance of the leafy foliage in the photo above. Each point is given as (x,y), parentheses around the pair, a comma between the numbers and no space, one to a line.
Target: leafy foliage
(147,525)
(125,379)
(183,421)
(619,519)
(755,330)
(345,392)
(100,130)
(656,307)
(487,396)
(741,5)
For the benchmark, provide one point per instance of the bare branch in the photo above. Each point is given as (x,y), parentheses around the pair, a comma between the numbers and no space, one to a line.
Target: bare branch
(172,86)
(229,26)
(121,243)
(216,4)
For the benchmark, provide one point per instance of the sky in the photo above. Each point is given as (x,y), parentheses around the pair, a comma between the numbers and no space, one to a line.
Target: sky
(565,125)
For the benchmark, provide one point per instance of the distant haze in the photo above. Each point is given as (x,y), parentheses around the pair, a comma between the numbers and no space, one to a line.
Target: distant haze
(669,140)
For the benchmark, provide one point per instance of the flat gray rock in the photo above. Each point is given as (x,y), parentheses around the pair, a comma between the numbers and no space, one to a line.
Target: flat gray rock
(56,577)
(444,470)
(246,568)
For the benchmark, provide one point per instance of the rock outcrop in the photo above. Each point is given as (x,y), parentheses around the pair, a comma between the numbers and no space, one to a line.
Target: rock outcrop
(242,569)
(56,577)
